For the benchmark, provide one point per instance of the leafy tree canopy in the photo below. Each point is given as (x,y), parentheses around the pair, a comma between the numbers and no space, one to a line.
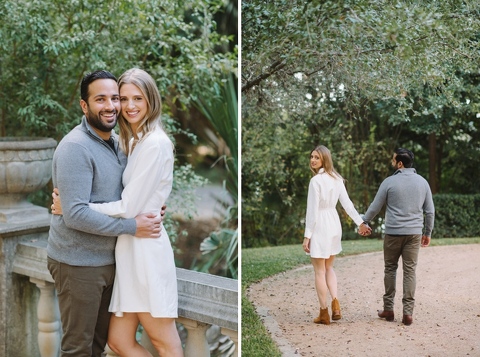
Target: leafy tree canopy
(362,77)
(47,47)
(360,49)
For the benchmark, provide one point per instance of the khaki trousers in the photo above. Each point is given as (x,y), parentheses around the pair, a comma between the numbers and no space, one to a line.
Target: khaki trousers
(83,296)
(395,247)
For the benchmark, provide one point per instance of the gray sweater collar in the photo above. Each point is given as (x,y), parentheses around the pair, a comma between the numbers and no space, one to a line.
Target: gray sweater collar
(406,170)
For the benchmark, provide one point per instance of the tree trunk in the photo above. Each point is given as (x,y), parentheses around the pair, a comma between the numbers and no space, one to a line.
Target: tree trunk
(432,159)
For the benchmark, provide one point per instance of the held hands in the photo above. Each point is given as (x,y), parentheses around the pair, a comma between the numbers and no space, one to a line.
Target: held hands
(364,229)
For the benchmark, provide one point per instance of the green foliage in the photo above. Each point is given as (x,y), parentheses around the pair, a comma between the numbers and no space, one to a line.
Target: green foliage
(222,247)
(456,215)
(48,46)
(375,48)
(221,110)
(363,78)
(185,181)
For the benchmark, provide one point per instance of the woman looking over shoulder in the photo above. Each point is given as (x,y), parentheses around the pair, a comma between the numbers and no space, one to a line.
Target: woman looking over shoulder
(323,230)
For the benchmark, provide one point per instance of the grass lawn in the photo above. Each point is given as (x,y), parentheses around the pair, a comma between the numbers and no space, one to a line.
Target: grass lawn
(260,263)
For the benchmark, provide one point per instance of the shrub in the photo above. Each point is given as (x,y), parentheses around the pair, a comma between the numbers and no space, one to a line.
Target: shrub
(456,215)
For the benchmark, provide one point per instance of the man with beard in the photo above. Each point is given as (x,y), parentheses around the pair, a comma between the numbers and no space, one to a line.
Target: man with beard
(88,167)
(408,200)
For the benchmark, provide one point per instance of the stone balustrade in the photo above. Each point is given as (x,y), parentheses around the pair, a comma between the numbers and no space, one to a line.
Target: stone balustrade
(204,300)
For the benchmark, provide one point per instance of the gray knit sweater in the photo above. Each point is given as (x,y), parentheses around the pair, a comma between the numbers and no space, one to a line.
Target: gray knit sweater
(408,201)
(86,169)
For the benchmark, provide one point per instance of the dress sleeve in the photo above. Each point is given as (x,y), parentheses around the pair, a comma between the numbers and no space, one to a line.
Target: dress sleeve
(348,206)
(312,208)
(152,175)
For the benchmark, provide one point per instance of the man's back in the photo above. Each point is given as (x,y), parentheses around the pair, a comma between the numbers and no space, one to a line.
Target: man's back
(407,197)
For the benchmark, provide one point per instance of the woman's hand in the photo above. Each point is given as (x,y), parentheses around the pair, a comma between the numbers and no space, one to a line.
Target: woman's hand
(306,245)
(57,204)
(364,229)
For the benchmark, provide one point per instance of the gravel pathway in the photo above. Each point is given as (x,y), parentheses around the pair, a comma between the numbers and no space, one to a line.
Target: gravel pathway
(446,316)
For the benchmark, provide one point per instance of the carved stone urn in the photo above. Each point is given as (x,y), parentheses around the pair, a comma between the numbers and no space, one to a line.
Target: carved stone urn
(25,167)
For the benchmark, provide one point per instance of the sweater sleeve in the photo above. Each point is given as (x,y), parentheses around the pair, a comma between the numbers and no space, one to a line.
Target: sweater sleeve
(429,211)
(73,178)
(348,206)
(378,202)
(312,208)
(152,175)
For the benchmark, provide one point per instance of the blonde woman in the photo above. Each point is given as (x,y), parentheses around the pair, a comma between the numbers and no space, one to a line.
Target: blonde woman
(145,286)
(323,231)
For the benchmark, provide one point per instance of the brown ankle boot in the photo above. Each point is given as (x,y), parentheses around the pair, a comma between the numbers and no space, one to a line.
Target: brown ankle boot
(323,318)
(336,313)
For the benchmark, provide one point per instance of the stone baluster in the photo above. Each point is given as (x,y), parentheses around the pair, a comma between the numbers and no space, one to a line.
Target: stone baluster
(233,336)
(196,344)
(48,319)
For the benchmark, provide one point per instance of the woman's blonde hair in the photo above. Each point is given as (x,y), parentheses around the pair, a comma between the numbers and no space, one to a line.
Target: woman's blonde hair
(146,84)
(327,162)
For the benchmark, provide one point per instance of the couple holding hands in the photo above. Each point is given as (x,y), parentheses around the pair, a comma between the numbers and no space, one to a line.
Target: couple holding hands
(409,221)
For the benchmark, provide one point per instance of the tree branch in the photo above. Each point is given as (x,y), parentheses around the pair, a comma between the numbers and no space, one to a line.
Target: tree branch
(274,67)
(455,50)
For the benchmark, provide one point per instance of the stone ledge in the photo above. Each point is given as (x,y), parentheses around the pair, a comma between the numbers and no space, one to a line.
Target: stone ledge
(202,297)
(208,298)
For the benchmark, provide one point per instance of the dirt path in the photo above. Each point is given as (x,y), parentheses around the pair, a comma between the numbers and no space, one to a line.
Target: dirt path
(446,316)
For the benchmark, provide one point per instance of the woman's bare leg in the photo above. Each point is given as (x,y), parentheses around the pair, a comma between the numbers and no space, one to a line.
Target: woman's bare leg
(331,277)
(163,334)
(121,336)
(320,281)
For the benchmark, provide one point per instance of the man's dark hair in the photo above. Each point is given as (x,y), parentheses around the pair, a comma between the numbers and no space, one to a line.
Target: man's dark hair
(405,156)
(93,76)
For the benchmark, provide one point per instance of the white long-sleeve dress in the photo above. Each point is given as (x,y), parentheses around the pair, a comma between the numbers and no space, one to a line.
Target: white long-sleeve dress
(145,279)
(322,223)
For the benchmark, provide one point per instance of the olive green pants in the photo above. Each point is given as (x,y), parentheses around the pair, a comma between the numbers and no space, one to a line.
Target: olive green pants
(395,247)
(83,297)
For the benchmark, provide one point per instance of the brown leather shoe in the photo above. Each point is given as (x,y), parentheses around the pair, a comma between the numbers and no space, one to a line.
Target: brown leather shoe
(385,314)
(407,320)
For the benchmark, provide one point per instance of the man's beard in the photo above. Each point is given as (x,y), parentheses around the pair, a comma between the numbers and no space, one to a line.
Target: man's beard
(96,121)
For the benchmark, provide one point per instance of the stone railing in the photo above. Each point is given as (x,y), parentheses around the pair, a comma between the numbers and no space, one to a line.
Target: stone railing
(204,300)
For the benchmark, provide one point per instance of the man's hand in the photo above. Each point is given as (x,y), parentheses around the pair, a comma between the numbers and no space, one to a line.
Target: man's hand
(57,204)
(364,229)
(425,241)
(149,225)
